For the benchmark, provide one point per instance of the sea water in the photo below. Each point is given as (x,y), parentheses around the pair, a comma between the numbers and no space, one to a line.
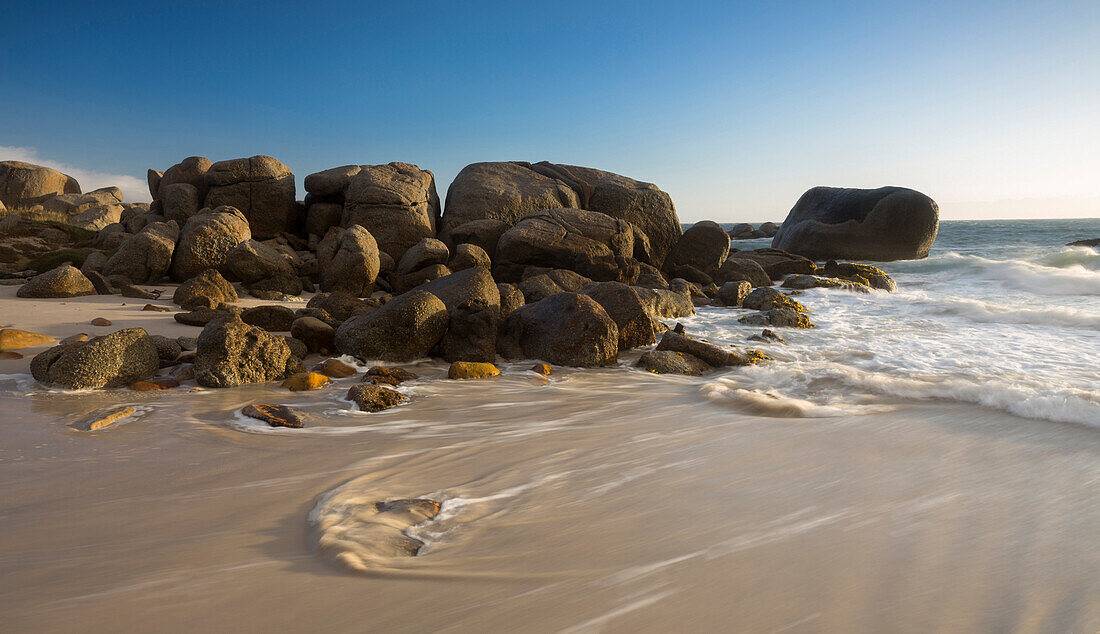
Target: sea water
(1001,314)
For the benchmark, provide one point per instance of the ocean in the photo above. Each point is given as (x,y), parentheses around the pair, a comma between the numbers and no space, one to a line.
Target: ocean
(1001,314)
(925,460)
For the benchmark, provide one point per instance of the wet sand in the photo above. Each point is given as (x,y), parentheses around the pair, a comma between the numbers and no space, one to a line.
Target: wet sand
(604,500)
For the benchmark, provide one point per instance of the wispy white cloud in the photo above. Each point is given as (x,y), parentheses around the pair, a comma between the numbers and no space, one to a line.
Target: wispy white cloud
(134,189)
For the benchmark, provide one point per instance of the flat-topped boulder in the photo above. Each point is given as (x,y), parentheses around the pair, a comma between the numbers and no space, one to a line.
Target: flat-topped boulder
(396,202)
(888,223)
(23,184)
(261,187)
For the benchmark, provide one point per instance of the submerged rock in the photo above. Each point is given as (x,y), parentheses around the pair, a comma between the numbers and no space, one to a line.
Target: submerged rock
(707,352)
(304,381)
(389,376)
(768,298)
(101,421)
(374,398)
(781,317)
(274,415)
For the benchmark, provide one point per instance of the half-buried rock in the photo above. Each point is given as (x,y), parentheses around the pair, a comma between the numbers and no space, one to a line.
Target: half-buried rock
(274,415)
(361,534)
(374,398)
(671,362)
(100,421)
(114,360)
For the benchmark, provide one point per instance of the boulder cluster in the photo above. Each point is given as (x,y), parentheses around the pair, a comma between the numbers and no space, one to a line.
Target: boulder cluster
(563,264)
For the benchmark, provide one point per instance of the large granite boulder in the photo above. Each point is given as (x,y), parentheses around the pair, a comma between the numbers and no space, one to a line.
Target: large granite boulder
(565,329)
(472,299)
(888,223)
(504,191)
(73,204)
(507,191)
(114,360)
(261,187)
(469,285)
(397,203)
(736,269)
(206,240)
(704,246)
(588,242)
(63,281)
(484,233)
(231,352)
(24,184)
(405,328)
(348,261)
(145,257)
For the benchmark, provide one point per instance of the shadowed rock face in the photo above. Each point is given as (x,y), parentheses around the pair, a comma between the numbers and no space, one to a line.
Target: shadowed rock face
(590,243)
(888,223)
(507,191)
(206,240)
(564,329)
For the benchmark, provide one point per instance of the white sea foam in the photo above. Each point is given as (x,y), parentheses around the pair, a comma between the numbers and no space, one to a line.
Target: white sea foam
(993,313)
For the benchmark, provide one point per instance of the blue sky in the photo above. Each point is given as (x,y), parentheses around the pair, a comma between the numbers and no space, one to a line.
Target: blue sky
(733,108)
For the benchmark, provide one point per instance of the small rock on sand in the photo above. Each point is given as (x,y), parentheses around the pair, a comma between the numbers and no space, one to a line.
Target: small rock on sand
(101,321)
(159,309)
(542,368)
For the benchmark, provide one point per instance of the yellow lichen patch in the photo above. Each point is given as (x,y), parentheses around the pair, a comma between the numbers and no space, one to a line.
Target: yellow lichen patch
(787,302)
(472,370)
(306,381)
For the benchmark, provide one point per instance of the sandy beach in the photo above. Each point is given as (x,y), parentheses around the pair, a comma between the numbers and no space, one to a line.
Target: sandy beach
(608,499)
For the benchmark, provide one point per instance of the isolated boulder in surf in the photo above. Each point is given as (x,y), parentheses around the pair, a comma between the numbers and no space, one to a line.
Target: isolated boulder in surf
(25,183)
(888,223)
(564,329)
(591,243)
(114,360)
(507,191)
(261,187)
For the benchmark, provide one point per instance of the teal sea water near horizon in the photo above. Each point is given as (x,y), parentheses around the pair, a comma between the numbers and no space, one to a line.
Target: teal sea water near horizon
(1001,313)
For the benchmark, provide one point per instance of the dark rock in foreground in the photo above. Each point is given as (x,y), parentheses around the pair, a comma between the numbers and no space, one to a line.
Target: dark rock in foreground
(564,329)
